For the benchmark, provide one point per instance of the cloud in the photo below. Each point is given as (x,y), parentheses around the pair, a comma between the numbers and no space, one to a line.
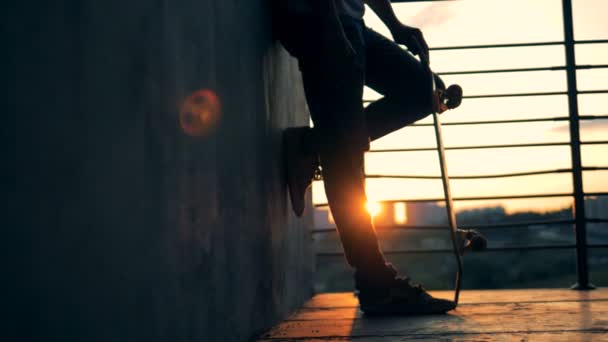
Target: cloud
(586,125)
(432,15)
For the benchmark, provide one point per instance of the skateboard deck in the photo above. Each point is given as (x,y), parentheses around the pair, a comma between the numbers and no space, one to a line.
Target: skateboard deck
(462,240)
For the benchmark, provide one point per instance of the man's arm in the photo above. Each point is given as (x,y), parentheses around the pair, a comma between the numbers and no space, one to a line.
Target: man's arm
(402,34)
(384,10)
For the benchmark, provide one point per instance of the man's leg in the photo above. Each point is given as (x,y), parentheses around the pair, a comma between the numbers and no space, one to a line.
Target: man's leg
(340,123)
(390,71)
(402,80)
(340,138)
(407,98)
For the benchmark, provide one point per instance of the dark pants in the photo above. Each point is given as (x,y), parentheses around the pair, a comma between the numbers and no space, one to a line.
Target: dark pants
(343,127)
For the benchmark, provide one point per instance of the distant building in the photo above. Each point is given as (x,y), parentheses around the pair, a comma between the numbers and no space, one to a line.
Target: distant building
(426,214)
(389,213)
(488,214)
(596,207)
(322,218)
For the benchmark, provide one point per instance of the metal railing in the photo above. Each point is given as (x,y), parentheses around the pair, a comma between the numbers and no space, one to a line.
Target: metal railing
(580,220)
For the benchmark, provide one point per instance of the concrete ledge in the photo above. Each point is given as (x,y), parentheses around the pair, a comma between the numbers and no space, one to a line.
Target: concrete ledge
(133,229)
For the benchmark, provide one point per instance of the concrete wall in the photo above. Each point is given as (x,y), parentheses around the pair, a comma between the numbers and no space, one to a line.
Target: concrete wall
(131,229)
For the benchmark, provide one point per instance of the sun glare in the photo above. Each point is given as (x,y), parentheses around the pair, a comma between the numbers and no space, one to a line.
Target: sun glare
(373,208)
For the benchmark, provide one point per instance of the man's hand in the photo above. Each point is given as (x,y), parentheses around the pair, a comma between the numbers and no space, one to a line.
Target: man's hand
(413,39)
(402,34)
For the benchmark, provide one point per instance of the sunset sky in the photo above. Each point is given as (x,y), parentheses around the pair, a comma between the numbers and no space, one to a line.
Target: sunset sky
(474,22)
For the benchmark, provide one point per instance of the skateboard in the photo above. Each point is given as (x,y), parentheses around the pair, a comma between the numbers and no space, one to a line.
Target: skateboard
(463,240)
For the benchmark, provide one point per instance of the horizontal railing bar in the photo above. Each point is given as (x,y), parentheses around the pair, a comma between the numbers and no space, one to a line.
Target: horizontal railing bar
(475,198)
(595,194)
(511,45)
(475,147)
(467,226)
(498,71)
(482,198)
(404,1)
(502,175)
(591,92)
(593,117)
(594,142)
(591,66)
(494,46)
(595,168)
(548,93)
(444,251)
(495,249)
(471,226)
(470,147)
(490,96)
(592,41)
(489,122)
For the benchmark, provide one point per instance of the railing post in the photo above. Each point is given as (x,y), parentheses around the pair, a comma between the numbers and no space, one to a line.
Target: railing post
(575,150)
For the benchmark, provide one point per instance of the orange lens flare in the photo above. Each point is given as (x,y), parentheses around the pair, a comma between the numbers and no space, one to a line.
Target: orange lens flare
(200,113)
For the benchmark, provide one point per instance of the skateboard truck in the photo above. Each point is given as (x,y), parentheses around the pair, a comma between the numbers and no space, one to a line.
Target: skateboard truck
(470,240)
(462,240)
(444,99)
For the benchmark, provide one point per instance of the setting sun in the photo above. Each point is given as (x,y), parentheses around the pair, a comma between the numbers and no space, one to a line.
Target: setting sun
(373,208)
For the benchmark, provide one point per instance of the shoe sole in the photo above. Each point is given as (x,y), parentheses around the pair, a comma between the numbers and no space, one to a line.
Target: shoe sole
(404,309)
(402,312)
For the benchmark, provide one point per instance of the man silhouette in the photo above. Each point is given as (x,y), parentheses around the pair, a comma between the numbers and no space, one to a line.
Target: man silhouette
(337,56)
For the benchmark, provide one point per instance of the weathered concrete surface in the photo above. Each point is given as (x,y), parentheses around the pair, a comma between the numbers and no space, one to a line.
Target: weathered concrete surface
(129,229)
(483,315)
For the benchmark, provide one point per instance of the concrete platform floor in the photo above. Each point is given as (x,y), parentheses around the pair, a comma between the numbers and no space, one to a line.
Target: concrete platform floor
(483,315)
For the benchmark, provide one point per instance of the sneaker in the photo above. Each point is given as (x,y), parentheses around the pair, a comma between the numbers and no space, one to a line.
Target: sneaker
(400,297)
(299,167)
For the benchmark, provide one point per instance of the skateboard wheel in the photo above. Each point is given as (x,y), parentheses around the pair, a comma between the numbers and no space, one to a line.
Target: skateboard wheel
(453,95)
(471,240)
(478,243)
